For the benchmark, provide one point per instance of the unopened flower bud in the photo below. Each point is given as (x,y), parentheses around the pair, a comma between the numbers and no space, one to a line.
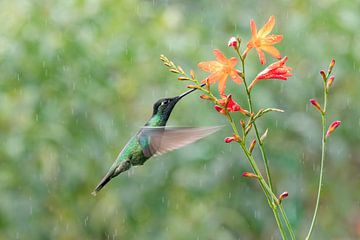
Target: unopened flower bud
(283,196)
(331,65)
(192,86)
(252,145)
(173,70)
(229,139)
(233,42)
(205,97)
(262,138)
(192,74)
(242,123)
(180,69)
(323,74)
(183,78)
(316,104)
(251,175)
(248,128)
(332,127)
(330,82)
(234,137)
(162,57)
(208,84)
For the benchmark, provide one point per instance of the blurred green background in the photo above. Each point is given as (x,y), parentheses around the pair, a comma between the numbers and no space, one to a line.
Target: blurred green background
(78,78)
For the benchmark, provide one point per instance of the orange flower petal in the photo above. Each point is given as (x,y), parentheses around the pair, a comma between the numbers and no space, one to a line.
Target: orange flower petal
(233,62)
(222,84)
(261,56)
(220,57)
(209,66)
(253,28)
(269,25)
(213,77)
(235,77)
(272,39)
(272,50)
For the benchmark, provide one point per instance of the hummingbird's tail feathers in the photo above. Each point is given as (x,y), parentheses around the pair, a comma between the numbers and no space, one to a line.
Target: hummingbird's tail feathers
(113,172)
(103,182)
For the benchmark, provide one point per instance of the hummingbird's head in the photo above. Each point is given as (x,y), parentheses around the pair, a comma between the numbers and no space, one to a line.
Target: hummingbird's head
(163,108)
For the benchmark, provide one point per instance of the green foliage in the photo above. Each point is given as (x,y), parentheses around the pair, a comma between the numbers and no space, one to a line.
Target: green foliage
(78,78)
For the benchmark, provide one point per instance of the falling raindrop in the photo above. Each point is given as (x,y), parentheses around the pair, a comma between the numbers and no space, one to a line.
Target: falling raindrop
(86,220)
(256,214)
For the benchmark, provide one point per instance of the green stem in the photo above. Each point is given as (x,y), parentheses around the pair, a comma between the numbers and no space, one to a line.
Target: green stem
(287,222)
(263,153)
(323,121)
(267,191)
(264,157)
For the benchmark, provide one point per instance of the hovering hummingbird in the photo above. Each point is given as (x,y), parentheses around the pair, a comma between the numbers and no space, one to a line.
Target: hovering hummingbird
(154,139)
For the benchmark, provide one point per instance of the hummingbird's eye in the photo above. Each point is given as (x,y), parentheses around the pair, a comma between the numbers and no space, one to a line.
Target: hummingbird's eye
(164,102)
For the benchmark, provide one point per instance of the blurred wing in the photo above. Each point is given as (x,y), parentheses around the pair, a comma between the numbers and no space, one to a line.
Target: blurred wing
(162,140)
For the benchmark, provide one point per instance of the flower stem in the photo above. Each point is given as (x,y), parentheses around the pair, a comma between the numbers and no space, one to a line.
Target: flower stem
(266,162)
(323,121)
(287,222)
(263,153)
(271,198)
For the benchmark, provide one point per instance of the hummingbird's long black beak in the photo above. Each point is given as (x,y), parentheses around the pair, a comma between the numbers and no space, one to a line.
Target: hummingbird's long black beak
(187,92)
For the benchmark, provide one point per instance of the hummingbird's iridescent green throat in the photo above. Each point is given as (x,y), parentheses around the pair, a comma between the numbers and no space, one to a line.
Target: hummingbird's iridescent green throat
(154,139)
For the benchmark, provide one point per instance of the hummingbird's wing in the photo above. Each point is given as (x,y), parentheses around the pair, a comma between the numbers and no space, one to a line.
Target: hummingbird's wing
(165,139)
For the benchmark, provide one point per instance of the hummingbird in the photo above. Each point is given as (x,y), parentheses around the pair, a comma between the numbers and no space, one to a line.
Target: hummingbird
(154,139)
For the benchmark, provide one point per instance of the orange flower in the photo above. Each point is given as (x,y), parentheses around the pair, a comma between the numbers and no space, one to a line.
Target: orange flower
(220,70)
(276,70)
(262,41)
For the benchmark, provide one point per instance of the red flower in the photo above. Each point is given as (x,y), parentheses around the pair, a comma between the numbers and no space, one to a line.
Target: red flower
(277,70)
(261,41)
(230,104)
(220,70)
(332,127)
